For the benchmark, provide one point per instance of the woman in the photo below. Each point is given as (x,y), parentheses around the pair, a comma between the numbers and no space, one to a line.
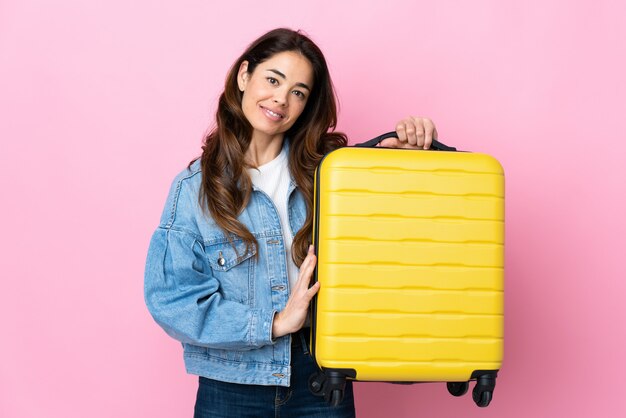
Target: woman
(229,266)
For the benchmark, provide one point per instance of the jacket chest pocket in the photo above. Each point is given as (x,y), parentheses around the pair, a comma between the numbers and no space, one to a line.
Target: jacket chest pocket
(233,267)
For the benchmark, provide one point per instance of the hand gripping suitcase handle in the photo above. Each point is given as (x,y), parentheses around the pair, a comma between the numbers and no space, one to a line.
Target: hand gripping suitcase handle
(436,145)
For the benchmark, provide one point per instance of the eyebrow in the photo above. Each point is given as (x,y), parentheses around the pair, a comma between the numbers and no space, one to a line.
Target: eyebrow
(285,78)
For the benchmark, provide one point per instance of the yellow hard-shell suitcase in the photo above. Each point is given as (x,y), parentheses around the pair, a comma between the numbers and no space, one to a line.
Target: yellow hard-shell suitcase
(410,254)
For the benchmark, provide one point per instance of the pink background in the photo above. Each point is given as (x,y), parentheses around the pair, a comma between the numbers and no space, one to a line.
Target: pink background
(102,103)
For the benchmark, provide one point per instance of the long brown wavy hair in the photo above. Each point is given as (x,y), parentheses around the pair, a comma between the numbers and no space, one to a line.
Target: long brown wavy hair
(226,186)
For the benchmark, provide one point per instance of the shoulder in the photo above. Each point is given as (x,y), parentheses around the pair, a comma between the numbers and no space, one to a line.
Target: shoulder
(187,182)
(193,170)
(183,194)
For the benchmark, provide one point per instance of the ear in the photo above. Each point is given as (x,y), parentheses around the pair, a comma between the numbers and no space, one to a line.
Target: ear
(242,76)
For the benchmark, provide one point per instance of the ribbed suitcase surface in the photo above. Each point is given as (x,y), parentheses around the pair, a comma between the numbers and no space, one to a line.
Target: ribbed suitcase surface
(410,248)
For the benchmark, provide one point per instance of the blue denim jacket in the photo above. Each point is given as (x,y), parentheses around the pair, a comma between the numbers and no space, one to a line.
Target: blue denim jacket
(220,303)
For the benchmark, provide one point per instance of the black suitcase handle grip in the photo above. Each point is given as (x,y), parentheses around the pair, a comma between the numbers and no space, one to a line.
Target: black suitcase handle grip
(436,145)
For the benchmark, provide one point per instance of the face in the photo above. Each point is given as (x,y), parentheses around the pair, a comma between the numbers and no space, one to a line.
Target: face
(275,94)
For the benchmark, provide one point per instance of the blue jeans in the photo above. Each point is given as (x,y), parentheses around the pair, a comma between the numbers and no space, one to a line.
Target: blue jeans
(230,400)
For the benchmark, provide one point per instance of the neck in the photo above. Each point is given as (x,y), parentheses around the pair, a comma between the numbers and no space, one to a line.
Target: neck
(263,150)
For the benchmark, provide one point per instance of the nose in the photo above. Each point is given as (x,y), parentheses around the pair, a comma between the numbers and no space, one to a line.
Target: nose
(280,97)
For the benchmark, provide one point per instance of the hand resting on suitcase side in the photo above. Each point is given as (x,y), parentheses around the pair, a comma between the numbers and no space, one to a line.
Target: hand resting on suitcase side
(292,318)
(414,132)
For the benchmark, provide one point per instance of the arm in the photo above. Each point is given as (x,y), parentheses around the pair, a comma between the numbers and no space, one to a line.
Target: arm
(183,296)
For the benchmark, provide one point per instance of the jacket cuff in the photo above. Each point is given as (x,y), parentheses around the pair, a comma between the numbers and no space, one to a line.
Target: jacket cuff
(261,327)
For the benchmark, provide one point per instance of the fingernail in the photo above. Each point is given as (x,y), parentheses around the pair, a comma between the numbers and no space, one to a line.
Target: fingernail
(310,247)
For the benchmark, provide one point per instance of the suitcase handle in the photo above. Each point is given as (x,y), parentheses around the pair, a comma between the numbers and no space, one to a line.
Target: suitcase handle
(436,145)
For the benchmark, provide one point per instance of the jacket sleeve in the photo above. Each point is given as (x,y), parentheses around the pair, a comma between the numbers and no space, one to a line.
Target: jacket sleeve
(184,298)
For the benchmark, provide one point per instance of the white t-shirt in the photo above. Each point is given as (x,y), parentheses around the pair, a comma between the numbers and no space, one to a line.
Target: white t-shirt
(273,179)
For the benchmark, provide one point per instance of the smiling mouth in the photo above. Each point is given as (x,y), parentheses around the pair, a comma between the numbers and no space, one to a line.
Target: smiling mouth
(271,114)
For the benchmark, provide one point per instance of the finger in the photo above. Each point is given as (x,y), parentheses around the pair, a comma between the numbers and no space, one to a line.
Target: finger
(429,130)
(409,131)
(419,132)
(401,131)
(306,272)
(311,291)
(305,262)
(409,128)
(310,253)
(410,134)
(390,143)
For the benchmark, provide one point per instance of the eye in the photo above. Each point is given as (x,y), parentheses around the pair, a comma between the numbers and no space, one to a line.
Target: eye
(272,81)
(299,94)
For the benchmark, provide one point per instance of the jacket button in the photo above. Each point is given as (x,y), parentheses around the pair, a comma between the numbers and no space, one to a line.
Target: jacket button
(280,287)
(280,375)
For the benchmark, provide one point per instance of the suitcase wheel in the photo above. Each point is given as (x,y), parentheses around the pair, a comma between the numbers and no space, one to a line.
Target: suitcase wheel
(458,388)
(335,397)
(330,385)
(316,383)
(482,399)
(483,391)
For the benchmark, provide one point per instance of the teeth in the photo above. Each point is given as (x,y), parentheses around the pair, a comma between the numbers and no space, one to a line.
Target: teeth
(273,113)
